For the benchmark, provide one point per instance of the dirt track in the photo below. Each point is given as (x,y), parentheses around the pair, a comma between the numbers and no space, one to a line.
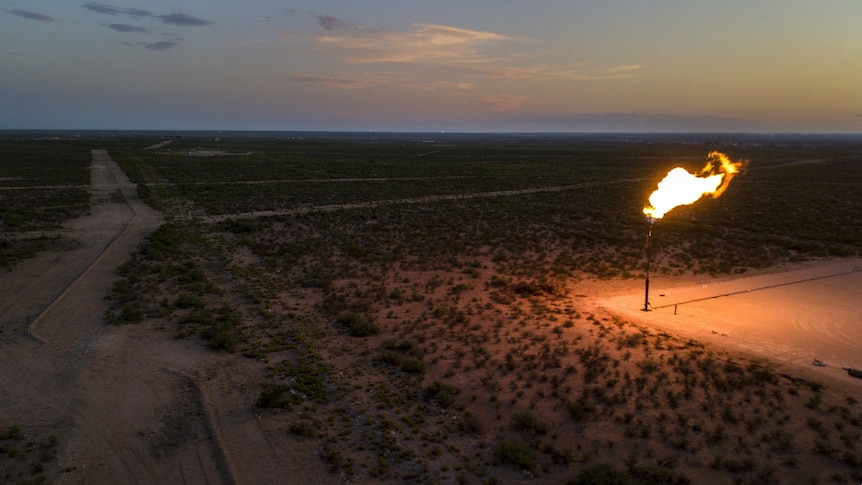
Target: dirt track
(110,395)
(414,200)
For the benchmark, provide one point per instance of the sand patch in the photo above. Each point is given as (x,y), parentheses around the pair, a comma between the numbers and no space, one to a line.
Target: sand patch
(813,311)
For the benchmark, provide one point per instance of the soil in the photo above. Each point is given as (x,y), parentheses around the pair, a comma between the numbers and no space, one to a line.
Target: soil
(791,315)
(116,398)
(132,404)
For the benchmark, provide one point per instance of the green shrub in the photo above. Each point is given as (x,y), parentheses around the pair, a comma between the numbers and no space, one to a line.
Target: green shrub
(222,336)
(470,424)
(515,452)
(580,409)
(187,300)
(443,394)
(601,474)
(272,396)
(527,422)
(413,364)
(358,325)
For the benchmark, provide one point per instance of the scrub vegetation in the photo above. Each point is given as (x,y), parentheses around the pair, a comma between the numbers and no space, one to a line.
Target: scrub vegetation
(42,184)
(418,309)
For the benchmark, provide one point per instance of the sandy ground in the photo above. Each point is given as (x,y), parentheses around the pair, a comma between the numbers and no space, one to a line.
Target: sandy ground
(128,404)
(133,405)
(113,396)
(791,315)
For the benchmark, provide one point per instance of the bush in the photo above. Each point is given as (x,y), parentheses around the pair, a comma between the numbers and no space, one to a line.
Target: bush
(187,300)
(413,364)
(358,325)
(470,424)
(223,336)
(515,452)
(527,422)
(272,396)
(580,409)
(601,474)
(443,394)
(131,312)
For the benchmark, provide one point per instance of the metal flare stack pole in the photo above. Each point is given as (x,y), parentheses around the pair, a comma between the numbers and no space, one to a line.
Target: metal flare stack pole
(648,248)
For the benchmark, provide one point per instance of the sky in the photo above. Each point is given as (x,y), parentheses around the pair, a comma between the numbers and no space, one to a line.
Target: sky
(409,65)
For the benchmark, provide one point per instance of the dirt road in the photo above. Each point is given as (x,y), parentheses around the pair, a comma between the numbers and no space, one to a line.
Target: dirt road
(413,200)
(117,399)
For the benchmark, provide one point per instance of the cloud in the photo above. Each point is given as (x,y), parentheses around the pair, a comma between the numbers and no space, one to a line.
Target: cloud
(428,44)
(544,72)
(183,19)
(453,61)
(437,85)
(354,80)
(626,68)
(129,28)
(502,102)
(161,46)
(111,10)
(445,46)
(330,22)
(334,81)
(31,15)
(176,18)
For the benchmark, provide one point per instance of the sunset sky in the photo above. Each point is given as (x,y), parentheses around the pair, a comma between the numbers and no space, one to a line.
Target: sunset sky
(405,65)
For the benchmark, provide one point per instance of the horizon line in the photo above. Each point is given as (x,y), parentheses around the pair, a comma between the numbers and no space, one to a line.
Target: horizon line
(425,132)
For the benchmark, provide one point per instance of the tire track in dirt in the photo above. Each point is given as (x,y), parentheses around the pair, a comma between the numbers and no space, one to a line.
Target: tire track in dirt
(412,200)
(94,387)
(101,160)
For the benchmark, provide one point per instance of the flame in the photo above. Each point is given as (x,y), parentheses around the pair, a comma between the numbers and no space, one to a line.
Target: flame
(679,187)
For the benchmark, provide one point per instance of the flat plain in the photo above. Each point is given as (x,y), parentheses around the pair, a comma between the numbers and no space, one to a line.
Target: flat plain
(427,308)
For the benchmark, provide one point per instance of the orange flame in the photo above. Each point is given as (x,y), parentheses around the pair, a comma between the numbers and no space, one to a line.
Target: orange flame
(679,187)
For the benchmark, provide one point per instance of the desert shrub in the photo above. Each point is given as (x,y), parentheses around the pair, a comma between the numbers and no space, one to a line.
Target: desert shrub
(498,281)
(649,475)
(187,300)
(272,396)
(131,312)
(12,433)
(358,325)
(535,288)
(515,452)
(441,393)
(601,474)
(580,409)
(412,364)
(304,429)
(308,378)
(224,333)
(240,226)
(470,424)
(222,336)
(163,242)
(527,422)
(408,346)
(332,456)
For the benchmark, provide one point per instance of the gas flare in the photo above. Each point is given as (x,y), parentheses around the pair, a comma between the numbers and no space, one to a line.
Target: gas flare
(679,187)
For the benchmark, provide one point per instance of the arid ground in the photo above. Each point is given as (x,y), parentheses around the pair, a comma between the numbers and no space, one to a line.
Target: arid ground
(791,315)
(228,349)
